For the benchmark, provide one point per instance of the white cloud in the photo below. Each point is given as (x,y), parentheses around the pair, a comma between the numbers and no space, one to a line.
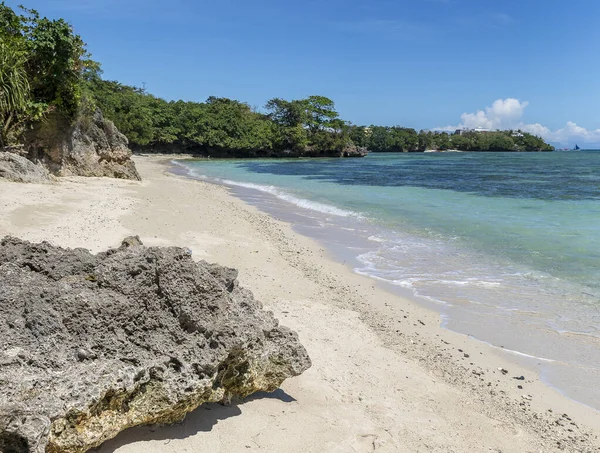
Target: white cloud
(571,133)
(503,114)
(507,114)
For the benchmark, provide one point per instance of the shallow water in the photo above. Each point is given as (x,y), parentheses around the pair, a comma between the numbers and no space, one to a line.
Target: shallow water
(507,246)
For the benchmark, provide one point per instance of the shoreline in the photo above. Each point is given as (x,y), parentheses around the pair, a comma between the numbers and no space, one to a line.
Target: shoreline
(352,238)
(256,199)
(386,375)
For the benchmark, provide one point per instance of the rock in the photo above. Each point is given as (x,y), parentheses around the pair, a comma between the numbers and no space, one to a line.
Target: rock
(19,169)
(95,344)
(92,146)
(131,241)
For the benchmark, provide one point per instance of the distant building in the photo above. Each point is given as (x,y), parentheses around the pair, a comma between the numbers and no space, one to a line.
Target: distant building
(467,130)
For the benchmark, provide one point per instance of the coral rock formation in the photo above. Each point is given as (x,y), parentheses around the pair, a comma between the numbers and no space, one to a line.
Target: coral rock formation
(92,146)
(18,169)
(95,344)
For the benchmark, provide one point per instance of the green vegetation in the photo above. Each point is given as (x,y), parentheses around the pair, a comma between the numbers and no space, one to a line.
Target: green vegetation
(400,139)
(222,126)
(45,68)
(14,89)
(309,127)
(483,141)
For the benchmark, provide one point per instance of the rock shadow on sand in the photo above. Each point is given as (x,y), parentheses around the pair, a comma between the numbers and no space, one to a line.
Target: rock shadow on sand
(201,420)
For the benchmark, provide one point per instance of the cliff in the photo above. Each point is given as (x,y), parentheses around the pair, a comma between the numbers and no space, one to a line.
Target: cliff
(91,146)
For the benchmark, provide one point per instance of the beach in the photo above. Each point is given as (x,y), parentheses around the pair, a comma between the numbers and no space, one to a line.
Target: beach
(385,376)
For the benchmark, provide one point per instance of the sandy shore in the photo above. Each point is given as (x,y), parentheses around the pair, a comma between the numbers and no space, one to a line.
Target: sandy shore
(385,376)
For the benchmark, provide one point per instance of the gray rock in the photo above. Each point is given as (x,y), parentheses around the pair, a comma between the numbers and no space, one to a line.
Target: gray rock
(92,146)
(131,241)
(95,344)
(19,169)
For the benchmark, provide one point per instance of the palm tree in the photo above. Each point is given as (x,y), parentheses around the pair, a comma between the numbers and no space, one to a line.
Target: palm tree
(14,88)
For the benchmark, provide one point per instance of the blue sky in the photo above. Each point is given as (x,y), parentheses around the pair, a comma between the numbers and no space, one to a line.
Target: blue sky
(417,63)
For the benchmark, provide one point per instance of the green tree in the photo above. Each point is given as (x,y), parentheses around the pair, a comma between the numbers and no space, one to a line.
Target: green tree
(14,89)
(320,112)
(57,63)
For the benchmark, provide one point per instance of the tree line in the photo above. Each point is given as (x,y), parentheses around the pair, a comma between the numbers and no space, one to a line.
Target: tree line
(401,139)
(45,70)
(308,126)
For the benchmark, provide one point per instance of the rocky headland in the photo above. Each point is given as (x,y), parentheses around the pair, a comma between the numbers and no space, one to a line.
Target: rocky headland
(95,344)
(58,146)
(90,146)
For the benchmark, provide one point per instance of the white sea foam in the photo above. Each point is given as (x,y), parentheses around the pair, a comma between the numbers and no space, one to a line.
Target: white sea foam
(469,282)
(188,171)
(300,202)
(522,354)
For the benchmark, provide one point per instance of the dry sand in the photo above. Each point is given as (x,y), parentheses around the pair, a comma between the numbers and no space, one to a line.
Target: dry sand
(385,376)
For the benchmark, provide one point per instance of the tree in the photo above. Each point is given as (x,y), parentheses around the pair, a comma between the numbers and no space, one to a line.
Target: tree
(57,62)
(14,89)
(320,112)
(289,119)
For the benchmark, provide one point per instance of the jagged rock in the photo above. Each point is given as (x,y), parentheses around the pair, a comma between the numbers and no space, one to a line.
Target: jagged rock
(131,241)
(351,150)
(92,146)
(95,344)
(19,169)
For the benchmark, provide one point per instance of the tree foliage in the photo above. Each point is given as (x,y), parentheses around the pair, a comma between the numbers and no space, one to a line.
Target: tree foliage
(400,139)
(43,66)
(308,126)
(14,88)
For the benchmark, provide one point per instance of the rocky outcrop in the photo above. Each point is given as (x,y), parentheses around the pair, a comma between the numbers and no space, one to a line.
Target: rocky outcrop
(92,146)
(19,169)
(95,344)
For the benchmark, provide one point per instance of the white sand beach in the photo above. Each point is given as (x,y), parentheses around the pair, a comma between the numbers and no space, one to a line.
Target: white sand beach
(385,376)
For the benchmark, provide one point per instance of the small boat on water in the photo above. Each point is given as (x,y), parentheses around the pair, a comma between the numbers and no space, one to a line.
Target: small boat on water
(577,148)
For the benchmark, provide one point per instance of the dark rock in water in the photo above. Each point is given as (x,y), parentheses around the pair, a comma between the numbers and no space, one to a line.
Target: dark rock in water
(95,344)
(92,146)
(19,169)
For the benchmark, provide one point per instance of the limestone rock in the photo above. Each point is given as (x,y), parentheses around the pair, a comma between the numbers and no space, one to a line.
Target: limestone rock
(18,169)
(92,146)
(95,344)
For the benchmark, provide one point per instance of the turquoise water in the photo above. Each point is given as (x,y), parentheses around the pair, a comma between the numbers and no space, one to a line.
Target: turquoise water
(506,245)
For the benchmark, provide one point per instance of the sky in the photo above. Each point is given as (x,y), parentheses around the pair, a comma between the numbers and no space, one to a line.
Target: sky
(425,64)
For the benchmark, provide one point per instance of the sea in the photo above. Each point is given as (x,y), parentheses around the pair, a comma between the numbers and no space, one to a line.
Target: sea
(506,246)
